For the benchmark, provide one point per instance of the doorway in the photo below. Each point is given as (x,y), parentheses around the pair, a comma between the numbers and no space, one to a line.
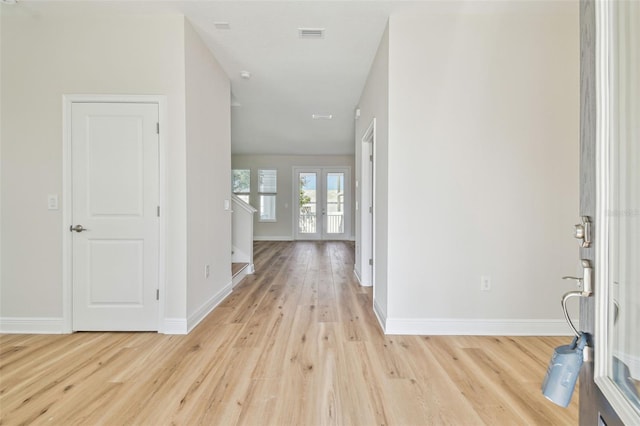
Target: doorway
(112,214)
(322,203)
(367,208)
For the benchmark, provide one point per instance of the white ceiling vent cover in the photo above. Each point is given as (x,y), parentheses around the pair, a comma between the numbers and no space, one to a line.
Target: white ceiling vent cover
(322,116)
(311,32)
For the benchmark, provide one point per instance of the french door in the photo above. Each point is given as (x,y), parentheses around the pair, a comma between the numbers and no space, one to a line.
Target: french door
(322,203)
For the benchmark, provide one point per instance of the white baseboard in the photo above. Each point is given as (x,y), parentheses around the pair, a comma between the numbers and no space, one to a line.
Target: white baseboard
(174,326)
(476,327)
(206,308)
(357,274)
(273,238)
(249,269)
(18,325)
(382,318)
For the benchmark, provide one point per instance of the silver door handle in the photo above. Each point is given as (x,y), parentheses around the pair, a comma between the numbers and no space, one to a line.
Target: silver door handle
(585,282)
(77,228)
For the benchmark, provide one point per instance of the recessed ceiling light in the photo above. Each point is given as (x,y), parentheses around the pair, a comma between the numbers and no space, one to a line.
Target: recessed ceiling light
(322,116)
(222,25)
(245,75)
(311,32)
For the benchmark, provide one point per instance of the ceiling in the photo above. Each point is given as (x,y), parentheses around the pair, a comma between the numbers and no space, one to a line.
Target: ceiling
(291,78)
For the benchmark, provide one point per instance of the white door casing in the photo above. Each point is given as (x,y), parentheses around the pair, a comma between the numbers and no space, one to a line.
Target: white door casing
(112,189)
(367,207)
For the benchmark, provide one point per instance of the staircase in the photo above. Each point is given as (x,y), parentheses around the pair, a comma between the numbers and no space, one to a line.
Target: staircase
(242,240)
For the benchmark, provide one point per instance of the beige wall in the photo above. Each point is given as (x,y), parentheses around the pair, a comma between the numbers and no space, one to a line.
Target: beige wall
(283,228)
(374,103)
(45,56)
(477,112)
(483,162)
(208,176)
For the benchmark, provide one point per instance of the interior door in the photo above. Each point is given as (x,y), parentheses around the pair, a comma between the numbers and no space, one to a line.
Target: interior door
(115,247)
(323,203)
(610,196)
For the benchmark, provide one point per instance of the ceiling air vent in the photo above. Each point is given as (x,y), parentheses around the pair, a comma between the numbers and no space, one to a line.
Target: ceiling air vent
(311,32)
(222,25)
(322,116)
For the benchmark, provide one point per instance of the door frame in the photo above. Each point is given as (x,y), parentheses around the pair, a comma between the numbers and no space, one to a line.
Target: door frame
(67,191)
(367,198)
(295,194)
(605,77)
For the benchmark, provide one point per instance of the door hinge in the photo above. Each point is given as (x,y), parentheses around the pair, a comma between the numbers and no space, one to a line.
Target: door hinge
(158,128)
(158,211)
(157,294)
(371,262)
(371,157)
(370,209)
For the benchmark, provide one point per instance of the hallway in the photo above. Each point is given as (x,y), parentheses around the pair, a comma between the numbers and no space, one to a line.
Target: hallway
(295,344)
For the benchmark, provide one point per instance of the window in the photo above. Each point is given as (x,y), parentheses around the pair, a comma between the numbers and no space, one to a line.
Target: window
(267,189)
(241,183)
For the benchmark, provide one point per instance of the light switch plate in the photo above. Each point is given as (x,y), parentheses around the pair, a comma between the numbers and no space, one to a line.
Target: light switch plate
(52,202)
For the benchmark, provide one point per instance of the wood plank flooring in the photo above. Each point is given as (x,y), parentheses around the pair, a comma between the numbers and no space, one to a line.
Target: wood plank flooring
(295,344)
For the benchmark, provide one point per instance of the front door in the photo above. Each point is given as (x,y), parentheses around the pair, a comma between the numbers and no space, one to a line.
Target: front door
(322,203)
(115,225)
(610,196)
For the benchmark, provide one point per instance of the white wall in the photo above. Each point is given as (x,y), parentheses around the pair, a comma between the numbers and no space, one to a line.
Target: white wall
(482,168)
(208,178)
(283,228)
(374,103)
(43,57)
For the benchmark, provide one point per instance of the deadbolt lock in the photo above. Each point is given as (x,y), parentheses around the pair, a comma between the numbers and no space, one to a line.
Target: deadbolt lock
(583,232)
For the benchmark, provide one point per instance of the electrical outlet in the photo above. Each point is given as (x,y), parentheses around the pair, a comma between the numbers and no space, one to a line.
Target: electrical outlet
(485,283)
(207,271)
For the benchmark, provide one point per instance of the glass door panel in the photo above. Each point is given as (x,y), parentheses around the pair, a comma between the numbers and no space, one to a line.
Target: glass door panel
(334,207)
(308,204)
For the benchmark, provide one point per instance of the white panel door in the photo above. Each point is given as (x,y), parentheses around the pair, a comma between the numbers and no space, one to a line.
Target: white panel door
(115,166)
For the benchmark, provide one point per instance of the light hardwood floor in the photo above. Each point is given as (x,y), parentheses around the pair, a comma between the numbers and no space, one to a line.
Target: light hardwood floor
(295,344)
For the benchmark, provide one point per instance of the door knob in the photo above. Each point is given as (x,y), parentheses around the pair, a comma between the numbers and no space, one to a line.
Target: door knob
(77,228)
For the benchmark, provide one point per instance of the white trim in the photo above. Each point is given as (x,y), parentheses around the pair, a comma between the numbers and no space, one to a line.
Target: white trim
(32,325)
(67,295)
(249,269)
(367,198)
(382,318)
(605,79)
(242,204)
(475,327)
(174,326)
(272,238)
(206,308)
